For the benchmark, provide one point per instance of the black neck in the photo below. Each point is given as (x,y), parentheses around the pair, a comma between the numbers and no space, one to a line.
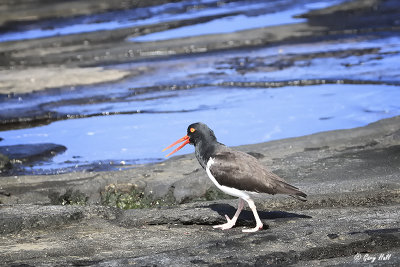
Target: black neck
(204,150)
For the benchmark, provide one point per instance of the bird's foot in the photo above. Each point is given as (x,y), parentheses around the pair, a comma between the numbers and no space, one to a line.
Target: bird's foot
(228,225)
(255,229)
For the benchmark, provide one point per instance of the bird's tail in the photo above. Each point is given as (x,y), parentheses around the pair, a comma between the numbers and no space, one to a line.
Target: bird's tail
(292,191)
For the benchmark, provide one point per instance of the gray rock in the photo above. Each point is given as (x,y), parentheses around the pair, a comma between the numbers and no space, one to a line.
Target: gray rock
(183,236)
(192,186)
(24,217)
(32,152)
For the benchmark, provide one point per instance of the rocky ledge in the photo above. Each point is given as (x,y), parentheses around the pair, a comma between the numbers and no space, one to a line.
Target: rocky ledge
(351,216)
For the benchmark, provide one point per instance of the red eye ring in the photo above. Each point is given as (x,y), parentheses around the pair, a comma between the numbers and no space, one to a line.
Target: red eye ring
(192,130)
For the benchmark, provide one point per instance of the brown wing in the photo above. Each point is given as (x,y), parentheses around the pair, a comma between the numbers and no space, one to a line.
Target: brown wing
(240,170)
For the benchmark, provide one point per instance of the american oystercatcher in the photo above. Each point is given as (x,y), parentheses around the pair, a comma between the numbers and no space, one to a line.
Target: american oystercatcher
(235,173)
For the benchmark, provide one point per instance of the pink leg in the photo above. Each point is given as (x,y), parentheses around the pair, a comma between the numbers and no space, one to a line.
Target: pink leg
(231,222)
(259,224)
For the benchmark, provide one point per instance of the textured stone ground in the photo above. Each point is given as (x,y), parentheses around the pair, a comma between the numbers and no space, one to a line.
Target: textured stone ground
(352,215)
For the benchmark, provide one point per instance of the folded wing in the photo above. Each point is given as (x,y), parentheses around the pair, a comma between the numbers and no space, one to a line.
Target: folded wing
(244,172)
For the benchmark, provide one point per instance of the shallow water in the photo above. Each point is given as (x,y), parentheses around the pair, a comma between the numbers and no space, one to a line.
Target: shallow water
(238,116)
(253,14)
(246,96)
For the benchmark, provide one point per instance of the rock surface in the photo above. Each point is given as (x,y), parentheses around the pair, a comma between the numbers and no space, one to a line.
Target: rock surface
(99,236)
(352,212)
(12,156)
(32,152)
(36,79)
(15,156)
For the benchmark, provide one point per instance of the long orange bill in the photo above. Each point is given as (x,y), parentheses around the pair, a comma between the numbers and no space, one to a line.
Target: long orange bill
(185,138)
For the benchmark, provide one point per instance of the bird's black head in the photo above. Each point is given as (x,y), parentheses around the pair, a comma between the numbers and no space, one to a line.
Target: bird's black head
(199,132)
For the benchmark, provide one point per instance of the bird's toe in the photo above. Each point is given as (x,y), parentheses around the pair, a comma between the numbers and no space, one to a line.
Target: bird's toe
(228,225)
(255,229)
(224,226)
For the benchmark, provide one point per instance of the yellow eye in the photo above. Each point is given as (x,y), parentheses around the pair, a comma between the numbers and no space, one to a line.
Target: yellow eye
(192,130)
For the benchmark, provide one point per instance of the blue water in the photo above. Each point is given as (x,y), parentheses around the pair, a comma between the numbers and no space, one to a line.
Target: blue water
(276,12)
(238,116)
(176,92)
(225,25)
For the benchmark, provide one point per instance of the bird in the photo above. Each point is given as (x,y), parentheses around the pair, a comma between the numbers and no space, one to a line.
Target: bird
(234,172)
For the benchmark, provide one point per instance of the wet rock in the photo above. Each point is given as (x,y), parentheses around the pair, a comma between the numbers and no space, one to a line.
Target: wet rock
(5,163)
(32,152)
